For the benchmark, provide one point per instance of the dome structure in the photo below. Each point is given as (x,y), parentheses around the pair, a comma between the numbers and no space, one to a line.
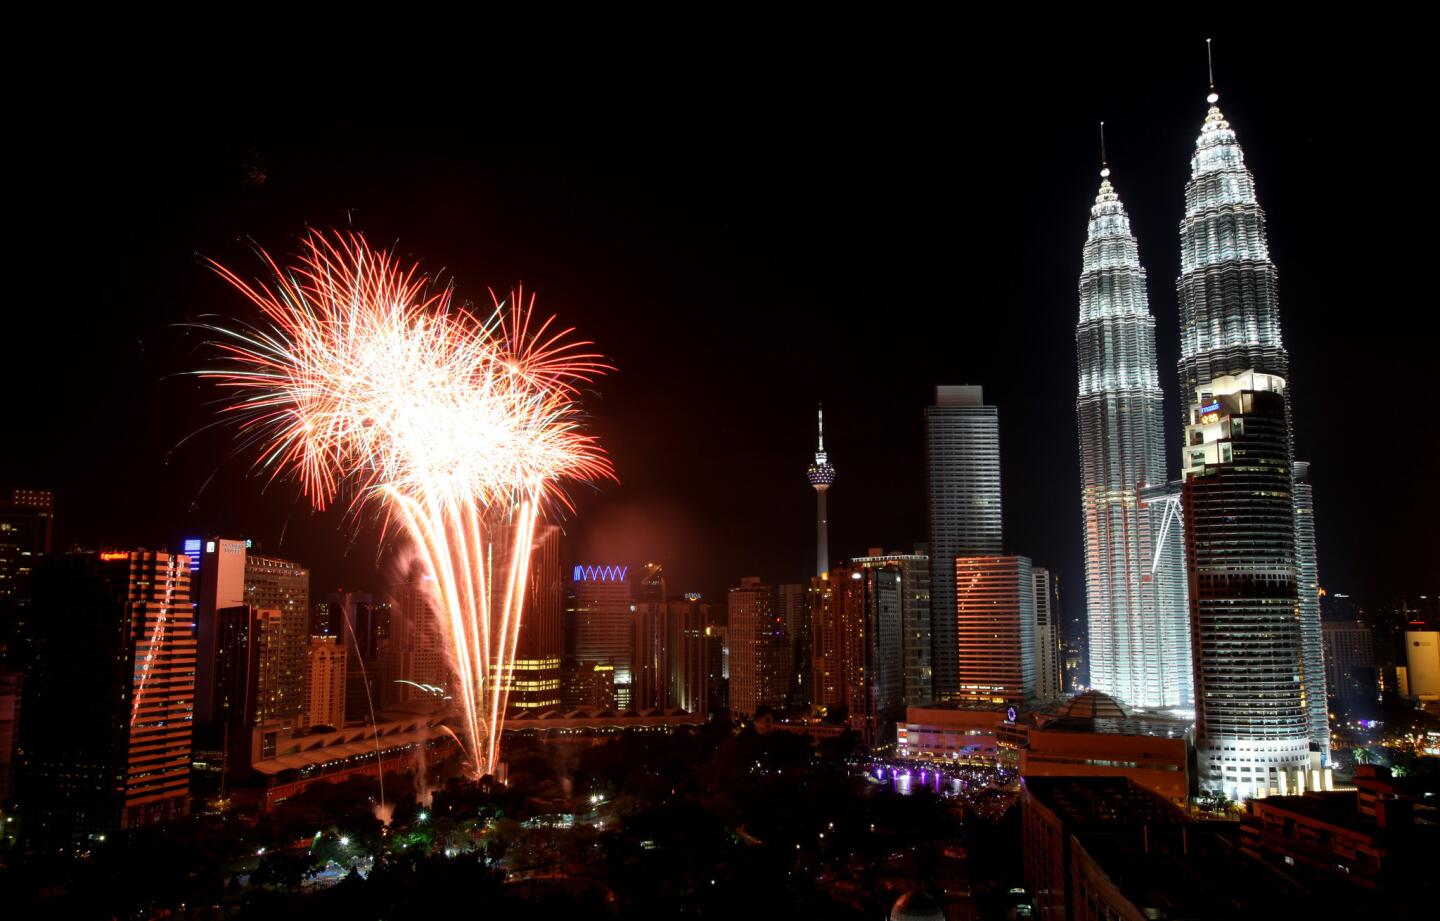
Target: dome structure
(916,906)
(1095,705)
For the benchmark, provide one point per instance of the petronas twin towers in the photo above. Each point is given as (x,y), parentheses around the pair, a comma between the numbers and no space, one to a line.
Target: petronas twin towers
(1136,577)
(1134,584)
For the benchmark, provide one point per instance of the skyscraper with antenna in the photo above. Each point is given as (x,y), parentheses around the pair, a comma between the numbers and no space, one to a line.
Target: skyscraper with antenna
(1261,722)
(1139,633)
(821,475)
(1229,305)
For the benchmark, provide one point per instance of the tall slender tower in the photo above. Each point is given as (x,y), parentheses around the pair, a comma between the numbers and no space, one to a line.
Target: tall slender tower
(1230,323)
(1137,615)
(1307,590)
(821,475)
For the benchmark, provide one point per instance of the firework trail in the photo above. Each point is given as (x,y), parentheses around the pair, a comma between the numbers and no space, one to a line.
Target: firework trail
(364,380)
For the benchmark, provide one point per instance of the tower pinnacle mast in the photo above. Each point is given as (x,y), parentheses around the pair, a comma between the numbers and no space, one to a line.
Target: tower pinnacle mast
(821,475)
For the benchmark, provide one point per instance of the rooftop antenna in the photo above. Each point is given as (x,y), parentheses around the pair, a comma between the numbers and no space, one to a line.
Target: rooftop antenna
(1104,162)
(1214,97)
(821,420)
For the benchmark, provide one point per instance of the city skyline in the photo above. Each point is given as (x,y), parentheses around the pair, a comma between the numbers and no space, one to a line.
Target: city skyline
(403,503)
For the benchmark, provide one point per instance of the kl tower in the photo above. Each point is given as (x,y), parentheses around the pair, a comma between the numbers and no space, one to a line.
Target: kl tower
(821,474)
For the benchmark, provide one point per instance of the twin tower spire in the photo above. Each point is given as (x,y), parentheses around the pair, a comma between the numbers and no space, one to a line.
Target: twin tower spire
(1136,580)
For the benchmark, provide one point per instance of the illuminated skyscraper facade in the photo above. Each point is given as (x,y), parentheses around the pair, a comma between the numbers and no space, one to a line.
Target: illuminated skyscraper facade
(915,627)
(541,643)
(995,614)
(273,584)
(325,683)
(1350,674)
(600,617)
(109,696)
(858,660)
(1229,307)
(1135,601)
(759,649)
(1307,586)
(962,474)
(1047,636)
(671,654)
(1230,326)
(1252,725)
(27,518)
(689,654)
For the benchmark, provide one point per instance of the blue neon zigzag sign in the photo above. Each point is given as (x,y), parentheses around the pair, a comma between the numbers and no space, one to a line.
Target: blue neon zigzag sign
(600,573)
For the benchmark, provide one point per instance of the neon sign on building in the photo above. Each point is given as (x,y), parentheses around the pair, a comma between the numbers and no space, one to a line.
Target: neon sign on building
(599,573)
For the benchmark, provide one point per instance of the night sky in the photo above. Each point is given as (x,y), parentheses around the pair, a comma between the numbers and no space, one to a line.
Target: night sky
(744,234)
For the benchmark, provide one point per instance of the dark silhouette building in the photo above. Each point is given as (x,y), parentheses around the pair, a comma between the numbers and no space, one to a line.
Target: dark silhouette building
(109,696)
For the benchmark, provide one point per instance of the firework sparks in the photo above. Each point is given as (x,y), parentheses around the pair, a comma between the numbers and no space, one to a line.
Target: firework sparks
(463,431)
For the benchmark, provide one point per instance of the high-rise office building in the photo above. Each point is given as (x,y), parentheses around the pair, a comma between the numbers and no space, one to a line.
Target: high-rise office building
(222,587)
(689,623)
(1047,636)
(962,473)
(650,641)
(648,584)
(11,690)
(541,643)
(1422,664)
(109,696)
(601,623)
(1230,326)
(325,618)
(1135,607)
(1307,587)
(717,660)
(27,520)
(273,584)
(759,649)
(1252,724)
(821,475)
(671,655)
(916,635)
(231,576)
(417,663)
(587,685)
(1350,673)
(794,607)
(243,638)
(859,664)
(325,683)
(995,627)
(837,611)
(651,645)
(366,634)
